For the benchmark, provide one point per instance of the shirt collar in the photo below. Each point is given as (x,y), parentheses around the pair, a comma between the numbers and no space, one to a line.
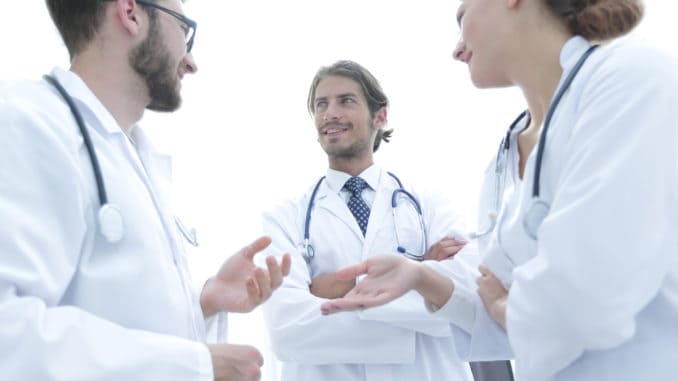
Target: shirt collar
(336,179)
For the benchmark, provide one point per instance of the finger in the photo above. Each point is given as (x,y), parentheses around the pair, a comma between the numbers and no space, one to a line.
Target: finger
(258,245)
(448,252)
(334,306)
(484,270)
(451,241)
(274,272)
(286,264)
(351,272)
(357,302)
(264,283)
(258,358)
(253,291)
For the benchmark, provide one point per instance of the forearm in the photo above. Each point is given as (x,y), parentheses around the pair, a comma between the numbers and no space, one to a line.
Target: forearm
(434,287)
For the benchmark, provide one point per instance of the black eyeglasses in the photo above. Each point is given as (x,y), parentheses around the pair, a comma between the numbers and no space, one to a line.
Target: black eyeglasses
(189,26)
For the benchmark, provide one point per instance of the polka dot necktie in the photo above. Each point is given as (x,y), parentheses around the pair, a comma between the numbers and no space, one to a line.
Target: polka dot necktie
(356,204)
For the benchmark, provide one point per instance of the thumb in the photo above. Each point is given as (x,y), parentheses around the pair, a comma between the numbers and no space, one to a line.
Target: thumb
(352,272)
(258,245)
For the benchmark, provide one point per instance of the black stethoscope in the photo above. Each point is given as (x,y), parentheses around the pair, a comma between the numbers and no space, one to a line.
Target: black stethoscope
(308,251)
(111,224)
(538,208)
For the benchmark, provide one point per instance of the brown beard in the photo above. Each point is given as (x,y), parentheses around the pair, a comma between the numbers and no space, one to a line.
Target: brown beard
(151,60)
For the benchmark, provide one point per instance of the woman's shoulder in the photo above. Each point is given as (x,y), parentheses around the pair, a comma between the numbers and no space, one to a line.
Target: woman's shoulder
(632,58)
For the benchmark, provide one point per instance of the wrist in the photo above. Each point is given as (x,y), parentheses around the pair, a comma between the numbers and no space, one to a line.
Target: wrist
(498,311)
(433,286)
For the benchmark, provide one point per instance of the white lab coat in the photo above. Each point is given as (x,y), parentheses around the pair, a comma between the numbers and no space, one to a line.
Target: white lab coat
(72,305)
(398,341)
(595,297)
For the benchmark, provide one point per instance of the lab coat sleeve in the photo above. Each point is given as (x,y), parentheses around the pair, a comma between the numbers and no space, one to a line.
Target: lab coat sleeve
(477,336)
(608,241)
(300,333)
(409,311)
(45,226)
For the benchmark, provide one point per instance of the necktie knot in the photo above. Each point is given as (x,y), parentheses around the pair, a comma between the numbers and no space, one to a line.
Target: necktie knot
(355,185)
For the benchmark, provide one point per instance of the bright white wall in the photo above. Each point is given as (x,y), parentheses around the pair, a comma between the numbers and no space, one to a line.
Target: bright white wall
(244,121)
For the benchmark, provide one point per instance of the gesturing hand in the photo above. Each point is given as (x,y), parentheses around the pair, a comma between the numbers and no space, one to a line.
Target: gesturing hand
(240,285)
(388,277)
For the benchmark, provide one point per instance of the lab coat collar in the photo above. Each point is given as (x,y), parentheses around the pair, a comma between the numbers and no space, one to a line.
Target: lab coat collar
(336,179)
(571,52)
(157,165)
(82,94)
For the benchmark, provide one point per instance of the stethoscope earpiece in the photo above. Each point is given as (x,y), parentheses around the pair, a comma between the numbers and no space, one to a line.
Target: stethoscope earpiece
(111,224)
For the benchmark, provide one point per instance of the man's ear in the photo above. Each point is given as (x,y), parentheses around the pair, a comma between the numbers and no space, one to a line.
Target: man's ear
(128,13)
(381,117)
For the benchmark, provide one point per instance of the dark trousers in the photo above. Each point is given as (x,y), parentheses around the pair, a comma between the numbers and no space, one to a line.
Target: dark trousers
(492,371)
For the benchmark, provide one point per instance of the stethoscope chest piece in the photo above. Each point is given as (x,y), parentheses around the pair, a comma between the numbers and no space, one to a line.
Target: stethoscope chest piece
(111,224)
(534,216)
(308,252)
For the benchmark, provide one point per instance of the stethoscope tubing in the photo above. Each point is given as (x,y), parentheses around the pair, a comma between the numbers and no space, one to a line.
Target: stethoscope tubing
(309,251)
(110,217)
(94,160)
(501,163)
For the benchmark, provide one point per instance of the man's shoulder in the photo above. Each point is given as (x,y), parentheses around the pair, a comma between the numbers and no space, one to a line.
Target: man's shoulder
(29,99)
(34,116)
(292,206)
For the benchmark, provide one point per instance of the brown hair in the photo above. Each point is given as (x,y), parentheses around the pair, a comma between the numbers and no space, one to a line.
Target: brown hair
(598,19)
(376,98)
(78,21)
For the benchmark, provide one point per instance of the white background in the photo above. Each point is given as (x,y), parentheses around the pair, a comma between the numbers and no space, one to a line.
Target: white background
(243,140)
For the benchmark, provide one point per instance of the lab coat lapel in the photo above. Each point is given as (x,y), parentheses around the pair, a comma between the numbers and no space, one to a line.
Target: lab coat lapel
(334,204)
(381,210)
(158,169)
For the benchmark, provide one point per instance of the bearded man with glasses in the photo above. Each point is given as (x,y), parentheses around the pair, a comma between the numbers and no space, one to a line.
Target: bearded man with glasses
(76,301)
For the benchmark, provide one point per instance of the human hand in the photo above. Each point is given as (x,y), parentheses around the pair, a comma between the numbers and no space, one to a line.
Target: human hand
(445,248)
(328,286)
(493,294)
(235,362)
(240,285)
(388,277)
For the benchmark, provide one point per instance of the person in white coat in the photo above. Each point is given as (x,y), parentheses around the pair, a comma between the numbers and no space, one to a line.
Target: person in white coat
(587,288)
(79,301)
(400,341)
